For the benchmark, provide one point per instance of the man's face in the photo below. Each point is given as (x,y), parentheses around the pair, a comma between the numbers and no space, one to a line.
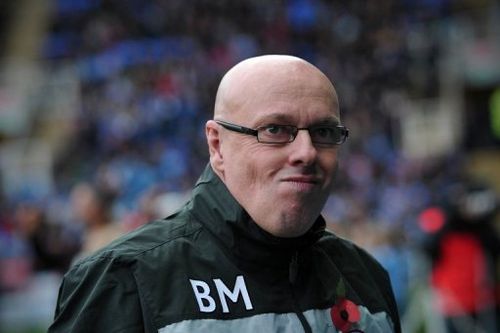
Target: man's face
(282,186)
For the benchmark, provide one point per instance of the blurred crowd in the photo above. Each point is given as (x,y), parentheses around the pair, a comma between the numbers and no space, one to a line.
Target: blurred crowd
(148,72)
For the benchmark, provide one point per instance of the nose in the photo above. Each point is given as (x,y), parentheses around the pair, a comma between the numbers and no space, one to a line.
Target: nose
(303,151)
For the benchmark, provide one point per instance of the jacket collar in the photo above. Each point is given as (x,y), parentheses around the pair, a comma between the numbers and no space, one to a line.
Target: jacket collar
(220,213)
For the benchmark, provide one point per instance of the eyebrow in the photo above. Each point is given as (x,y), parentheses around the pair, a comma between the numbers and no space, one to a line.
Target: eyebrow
(331,121)
(285,119)
(276,117)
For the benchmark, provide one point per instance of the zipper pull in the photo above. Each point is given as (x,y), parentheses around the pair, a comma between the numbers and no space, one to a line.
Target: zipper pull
(293,268)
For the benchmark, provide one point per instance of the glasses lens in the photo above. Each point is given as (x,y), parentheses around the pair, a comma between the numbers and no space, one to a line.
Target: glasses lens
(275,133)
(327,135)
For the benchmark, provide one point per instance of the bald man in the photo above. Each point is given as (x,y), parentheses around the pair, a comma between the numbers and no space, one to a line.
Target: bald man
(249,252)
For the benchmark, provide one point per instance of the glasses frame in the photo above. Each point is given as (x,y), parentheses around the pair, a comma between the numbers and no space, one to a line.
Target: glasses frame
(255,132)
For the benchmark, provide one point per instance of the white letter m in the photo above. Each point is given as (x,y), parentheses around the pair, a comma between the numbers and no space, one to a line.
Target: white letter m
(239,288)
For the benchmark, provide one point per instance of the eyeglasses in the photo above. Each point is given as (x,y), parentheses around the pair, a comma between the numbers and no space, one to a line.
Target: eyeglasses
(275,134)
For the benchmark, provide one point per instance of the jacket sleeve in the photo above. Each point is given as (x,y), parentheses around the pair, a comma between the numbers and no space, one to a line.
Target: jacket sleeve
(98,295)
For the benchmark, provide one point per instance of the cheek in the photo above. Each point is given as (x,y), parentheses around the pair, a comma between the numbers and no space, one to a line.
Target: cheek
(254,170)
(241,160)
(329,165)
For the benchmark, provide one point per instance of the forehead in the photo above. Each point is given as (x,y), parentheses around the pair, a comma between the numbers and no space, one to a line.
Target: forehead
(275,86)
(290,99)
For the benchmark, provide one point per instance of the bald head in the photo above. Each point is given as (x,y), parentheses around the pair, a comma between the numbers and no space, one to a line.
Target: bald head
(255,77)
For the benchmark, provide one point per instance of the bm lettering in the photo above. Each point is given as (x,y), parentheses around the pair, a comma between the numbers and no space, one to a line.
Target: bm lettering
(207,303)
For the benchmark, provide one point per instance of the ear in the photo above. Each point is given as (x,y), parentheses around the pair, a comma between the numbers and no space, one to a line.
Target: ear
(214,147)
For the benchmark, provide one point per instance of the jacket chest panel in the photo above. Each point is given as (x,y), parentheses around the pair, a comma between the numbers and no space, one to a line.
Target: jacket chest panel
(201,288)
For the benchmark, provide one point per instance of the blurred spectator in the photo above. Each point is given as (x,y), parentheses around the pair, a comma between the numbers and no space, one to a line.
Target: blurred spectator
(464,249)
(51,245)
(93,207)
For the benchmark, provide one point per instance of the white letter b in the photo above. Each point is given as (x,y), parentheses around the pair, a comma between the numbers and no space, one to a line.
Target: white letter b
(202,291)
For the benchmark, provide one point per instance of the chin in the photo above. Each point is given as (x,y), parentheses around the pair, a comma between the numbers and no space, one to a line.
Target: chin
(291,233)
(293,225)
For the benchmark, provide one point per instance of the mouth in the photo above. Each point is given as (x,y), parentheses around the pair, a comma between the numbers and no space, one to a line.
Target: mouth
(302,183)
(302,179)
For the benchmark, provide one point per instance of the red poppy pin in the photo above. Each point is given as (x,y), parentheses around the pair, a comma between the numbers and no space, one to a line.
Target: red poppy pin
(345,314)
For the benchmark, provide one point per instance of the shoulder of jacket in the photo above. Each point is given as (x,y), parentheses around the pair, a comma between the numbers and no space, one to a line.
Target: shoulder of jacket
(345,250)
(153,235)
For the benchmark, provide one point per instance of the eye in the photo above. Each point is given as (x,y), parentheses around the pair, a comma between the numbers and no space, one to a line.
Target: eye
(324,132)
(275,133)
(274,129)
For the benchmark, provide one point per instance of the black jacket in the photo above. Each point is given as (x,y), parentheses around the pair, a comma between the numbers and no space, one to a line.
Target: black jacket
(209,268)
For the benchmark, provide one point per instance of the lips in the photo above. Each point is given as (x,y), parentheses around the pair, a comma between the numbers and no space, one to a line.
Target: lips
(302,179)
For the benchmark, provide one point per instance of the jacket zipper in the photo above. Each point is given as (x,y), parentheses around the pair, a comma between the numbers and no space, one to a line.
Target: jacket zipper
(293,271)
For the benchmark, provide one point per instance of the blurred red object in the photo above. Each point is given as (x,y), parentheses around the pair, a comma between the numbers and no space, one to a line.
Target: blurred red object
(14,273)
(432,220)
